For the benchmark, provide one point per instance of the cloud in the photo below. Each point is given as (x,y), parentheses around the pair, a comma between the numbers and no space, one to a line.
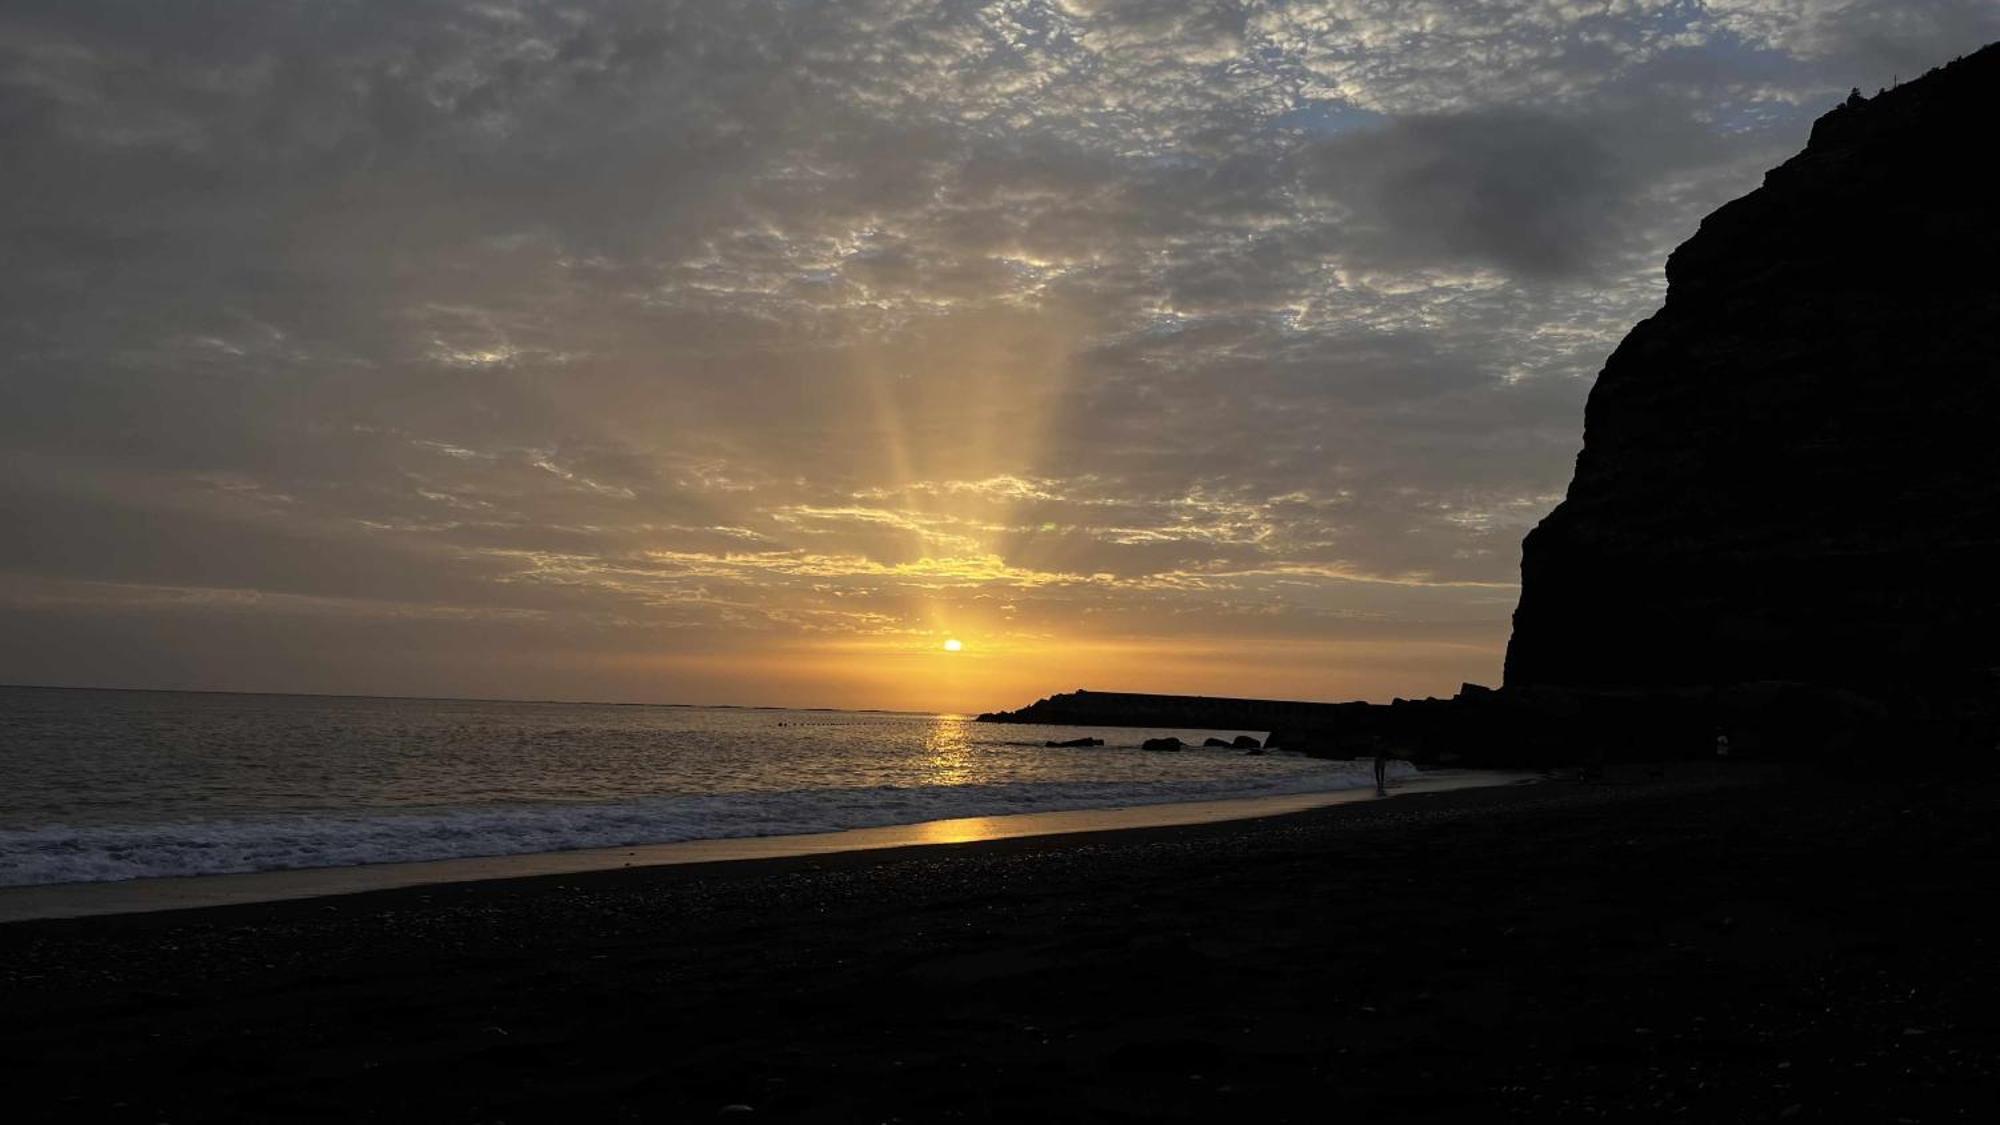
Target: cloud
(628,327)
(1859,38)
(1535,196)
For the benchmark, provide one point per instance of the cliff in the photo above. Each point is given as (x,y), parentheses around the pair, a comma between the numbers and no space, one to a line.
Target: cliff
(1791,472)
(1785,521)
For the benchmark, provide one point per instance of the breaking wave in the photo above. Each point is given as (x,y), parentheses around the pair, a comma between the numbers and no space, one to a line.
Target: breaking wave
(100,853)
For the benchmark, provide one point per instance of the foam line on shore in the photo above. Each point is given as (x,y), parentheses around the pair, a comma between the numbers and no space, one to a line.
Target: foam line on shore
(353,836)
(76,900)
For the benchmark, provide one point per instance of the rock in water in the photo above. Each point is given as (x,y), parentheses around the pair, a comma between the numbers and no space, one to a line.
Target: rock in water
(1161,744)
(1791,472)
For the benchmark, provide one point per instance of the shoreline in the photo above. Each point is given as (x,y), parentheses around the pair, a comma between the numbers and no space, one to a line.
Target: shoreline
(194,892)
(1737,943)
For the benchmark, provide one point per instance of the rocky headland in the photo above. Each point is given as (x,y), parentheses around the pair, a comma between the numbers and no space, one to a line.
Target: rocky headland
(1784,525)
(1788,472)
(1084,708)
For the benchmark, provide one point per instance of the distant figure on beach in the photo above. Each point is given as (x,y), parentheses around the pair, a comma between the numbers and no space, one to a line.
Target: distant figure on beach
(1381,771)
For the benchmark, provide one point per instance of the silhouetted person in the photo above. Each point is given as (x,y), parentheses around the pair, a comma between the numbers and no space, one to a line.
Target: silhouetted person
(1593,762)
(1381,771)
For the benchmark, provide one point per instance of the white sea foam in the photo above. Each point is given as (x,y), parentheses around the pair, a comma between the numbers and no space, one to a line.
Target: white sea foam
(121,785)
(97,853)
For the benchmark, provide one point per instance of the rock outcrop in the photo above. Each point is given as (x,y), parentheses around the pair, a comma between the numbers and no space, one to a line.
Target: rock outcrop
(1082,708)
(1791,472)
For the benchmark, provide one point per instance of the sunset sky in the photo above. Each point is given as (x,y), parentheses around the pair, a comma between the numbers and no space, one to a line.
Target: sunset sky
(747,351)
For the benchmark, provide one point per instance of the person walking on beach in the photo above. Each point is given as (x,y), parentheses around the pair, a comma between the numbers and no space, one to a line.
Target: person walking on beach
(1381,770)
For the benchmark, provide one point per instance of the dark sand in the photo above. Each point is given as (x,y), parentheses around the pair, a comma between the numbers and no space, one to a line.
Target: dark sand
(1705,947)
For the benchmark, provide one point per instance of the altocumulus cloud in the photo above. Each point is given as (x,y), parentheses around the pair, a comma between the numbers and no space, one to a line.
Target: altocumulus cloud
(588,348)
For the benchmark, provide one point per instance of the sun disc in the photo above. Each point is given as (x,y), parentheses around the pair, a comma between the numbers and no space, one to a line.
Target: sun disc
(953,645)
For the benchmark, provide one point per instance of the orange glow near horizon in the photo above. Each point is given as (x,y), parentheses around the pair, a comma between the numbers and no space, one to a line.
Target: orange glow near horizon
(1003,673)
(927,392)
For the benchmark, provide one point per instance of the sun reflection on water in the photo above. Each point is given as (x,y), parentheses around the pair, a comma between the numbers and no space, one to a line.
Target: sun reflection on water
(949,756)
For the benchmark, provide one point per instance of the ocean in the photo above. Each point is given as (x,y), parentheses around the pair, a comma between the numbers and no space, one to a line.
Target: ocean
(107,785)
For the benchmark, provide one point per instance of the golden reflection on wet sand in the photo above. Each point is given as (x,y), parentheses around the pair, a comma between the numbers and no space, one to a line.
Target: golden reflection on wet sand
(961,831)
(138,895)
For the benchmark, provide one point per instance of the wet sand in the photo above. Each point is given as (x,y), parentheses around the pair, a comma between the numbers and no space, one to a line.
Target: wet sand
(135,896)
(1711,945)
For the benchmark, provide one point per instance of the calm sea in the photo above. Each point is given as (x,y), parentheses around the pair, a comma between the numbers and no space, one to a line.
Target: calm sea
(102,785)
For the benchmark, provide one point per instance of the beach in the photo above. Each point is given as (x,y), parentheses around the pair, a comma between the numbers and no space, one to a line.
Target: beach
(1712,944)
(127,788)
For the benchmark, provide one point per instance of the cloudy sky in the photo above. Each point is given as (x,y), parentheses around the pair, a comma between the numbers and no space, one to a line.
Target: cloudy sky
(746,350)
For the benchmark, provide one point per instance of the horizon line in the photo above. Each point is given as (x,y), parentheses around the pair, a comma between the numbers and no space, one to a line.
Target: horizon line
(468,699)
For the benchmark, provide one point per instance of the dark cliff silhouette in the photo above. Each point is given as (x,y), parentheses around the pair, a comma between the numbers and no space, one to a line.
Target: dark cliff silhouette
(1785,522)
(1791,472)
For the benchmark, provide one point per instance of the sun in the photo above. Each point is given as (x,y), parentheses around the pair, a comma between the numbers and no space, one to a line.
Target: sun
(954,645)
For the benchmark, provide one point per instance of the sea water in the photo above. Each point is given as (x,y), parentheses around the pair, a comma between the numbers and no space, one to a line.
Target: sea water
(106,785)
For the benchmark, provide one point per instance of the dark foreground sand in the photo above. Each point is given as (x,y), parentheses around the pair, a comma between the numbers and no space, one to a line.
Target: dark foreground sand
(1743,947)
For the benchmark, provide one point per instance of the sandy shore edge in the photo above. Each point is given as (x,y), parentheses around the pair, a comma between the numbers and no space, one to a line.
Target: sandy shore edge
(138,896)
(1687,943)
